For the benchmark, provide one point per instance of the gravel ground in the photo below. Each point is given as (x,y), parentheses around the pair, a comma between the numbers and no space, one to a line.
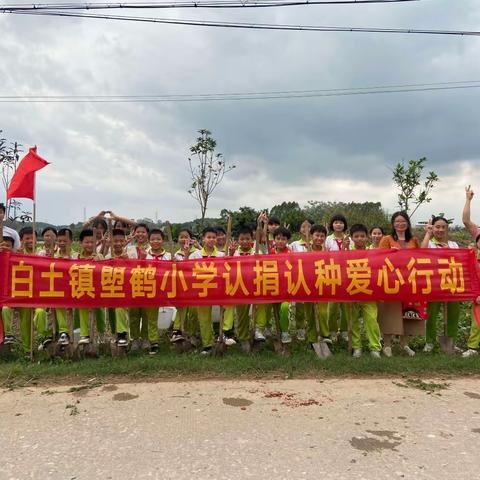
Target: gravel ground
(291,429)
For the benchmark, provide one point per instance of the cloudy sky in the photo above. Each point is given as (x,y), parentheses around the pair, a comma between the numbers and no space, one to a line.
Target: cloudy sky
(132,157)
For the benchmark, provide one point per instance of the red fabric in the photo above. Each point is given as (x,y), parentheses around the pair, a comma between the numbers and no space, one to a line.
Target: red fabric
(413,275)
(22,184)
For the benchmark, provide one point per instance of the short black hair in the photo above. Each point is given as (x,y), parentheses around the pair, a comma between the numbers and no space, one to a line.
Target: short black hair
(245,230)
(2,207)
(117,224)
(318,228)
(100,222)
(156,231)
(209,230)
(220,230)
(435,219)
(477,238)
(87,232)
(338,218)
(282,232)
(49,229)
(141,225)
(309,220)
(190,234)
(118,232)
(358,227)
(380,228)
(65,231)
(25,231)
(273,221)
(10,240)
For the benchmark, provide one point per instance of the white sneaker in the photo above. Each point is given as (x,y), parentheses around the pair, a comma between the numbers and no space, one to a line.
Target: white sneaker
(357,353)
(64,339)
(333,336)
(286,338)
(387,351)
(259,336)
(428,348)
(84,341)
(229,341)
(375,354)
(408,351)
(301,335)
(469,353)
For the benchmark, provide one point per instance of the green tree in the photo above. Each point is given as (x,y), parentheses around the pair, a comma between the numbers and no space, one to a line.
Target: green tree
(207,170)
(242,216)
(414,191)
(369,213)
(289,213)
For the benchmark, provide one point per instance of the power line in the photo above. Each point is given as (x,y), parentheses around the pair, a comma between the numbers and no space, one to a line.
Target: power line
(12,8)
(275,95)
(254,26)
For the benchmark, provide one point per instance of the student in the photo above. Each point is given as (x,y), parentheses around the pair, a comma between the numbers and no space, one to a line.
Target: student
(157,253)
(376,235)
(335,242)
(139,248)
(88,251)
(436,236)
(473,342)
(318,235)
(49,248)
(303,311)
(186,316)
(244,246)
(272,224)
(138,316)
(400,238)
(27,247)
(118,316)
(367,310)
(209,250)
(9,232)
(281,236)
(7,313)
(64,250)
(64,244)
(221,239)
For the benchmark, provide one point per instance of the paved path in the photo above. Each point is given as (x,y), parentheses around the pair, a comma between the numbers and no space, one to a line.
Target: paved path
(293,429)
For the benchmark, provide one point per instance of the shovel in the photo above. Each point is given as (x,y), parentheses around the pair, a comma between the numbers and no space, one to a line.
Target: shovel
(251,340)
(185,344)
(279,347)
(320,347)
(447,344)
(221,346)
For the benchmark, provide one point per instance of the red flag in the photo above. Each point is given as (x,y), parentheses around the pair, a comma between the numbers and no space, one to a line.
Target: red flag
(23,182)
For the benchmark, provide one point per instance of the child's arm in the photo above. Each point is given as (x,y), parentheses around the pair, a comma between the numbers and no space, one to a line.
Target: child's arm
(125,221)
(428,235)
(92,219)
(469,225)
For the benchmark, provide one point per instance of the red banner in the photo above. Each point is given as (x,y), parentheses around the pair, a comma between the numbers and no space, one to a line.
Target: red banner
(359,275)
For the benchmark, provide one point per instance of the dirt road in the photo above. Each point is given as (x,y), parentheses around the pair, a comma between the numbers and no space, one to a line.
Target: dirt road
(292,429)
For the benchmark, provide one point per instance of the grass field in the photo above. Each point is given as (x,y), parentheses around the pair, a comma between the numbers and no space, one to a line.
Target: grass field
(265,364)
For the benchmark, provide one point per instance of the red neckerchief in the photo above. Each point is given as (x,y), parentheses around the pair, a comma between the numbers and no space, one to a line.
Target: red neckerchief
(157,257)
(339,243)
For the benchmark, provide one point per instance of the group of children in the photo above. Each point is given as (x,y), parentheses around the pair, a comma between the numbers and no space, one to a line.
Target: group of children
(108,236)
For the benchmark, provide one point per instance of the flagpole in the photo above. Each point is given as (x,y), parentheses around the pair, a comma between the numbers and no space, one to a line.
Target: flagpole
(34,223)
